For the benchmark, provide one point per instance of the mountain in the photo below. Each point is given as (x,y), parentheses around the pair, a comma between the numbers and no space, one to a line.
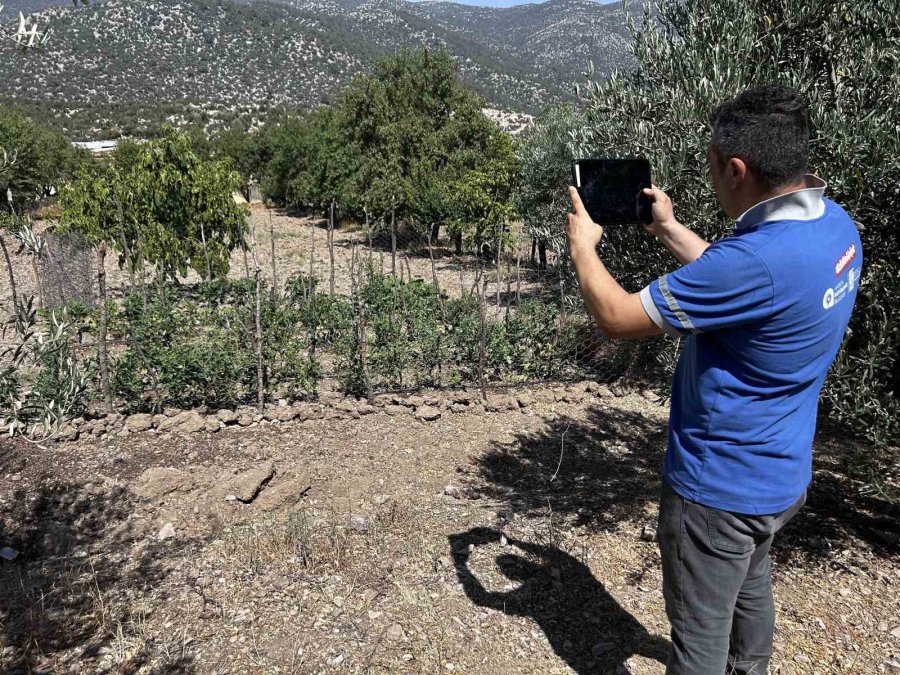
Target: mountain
(216,57)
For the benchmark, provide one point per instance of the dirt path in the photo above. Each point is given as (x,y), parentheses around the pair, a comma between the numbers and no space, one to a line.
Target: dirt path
(357,557)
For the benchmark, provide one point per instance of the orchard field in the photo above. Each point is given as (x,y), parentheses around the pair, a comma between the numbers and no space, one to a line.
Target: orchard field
(428,531)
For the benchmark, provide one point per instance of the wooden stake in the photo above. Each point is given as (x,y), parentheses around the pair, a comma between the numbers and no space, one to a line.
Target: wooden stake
(312,253)
(393,246)
(274,269)
(361,325)
(518,276)
(331,249)
(260,368)
(9,269)
(101,340)
(482,333)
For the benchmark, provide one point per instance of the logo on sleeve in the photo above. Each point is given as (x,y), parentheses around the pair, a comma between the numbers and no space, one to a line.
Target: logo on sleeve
(845,260)
(828,300)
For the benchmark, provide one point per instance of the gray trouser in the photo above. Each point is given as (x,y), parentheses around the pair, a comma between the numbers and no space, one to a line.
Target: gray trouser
(717,583)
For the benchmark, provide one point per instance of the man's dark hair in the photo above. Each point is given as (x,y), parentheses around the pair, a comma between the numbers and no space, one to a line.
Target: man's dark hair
(768,128)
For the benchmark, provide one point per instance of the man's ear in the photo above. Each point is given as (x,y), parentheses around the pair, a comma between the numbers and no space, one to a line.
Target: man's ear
(737,172)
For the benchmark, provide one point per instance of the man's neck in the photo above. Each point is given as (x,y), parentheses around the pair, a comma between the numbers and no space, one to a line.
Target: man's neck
(757,196)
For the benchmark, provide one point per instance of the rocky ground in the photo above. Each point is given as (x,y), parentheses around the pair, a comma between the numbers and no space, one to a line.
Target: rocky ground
(427,533)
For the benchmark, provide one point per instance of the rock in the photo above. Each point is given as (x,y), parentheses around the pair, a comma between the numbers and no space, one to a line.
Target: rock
(347,405)
(365,409)
(896,632)
(286,414)
(648,533)
(893,666)
(139,422)
(284,494)
(159,481)
(453,491)
(524,399)
(414,401)
(800,657)
(427,413)
(243,616)
(462,397)
(167,532)
(335,661)
(248,484)
(171,412)
(395,632)
(309,411)
(187,422)
(651,395)
(503,540)
(458,407)
(246,415)
(68,432)
(392,409)
(618,389)
(213,424)
(359,524)
(227,416)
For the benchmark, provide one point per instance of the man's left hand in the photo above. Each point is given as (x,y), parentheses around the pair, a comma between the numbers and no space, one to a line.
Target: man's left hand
(583,233)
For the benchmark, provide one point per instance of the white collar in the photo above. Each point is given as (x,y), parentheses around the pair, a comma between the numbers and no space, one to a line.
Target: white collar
(803,204)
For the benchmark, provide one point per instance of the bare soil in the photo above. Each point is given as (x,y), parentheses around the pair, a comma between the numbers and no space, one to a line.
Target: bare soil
(507,542)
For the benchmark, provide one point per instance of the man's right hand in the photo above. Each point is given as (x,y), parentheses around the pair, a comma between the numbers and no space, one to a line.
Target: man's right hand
(684,244)
(663,215)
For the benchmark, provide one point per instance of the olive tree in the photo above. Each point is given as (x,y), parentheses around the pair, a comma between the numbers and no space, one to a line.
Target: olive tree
(843,56)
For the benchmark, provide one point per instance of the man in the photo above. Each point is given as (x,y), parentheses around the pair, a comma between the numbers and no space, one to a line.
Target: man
(763,312)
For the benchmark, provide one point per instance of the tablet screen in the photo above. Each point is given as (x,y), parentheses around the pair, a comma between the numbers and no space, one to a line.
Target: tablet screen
(611,189)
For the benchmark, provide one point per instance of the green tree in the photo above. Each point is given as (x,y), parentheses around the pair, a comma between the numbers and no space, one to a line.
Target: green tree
(163,204)
(34,158)
(843,55)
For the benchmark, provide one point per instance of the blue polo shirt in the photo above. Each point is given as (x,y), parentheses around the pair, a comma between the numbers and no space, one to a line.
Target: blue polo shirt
(763,312)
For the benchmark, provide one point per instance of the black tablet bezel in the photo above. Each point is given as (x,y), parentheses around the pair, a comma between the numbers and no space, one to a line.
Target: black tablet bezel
(643,207)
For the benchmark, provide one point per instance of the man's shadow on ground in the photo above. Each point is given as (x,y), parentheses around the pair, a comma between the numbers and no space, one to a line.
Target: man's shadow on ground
(584,624)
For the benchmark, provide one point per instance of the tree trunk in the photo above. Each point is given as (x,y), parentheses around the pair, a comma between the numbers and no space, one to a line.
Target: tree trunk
(9,269)
(103,356)
(434,235)
(205,252)
(457,242)
(542,252)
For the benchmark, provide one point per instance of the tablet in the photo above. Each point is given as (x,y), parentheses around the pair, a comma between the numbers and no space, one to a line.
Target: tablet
(611,189)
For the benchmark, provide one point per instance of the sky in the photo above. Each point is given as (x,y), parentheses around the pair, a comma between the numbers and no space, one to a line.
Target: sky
(510,3)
